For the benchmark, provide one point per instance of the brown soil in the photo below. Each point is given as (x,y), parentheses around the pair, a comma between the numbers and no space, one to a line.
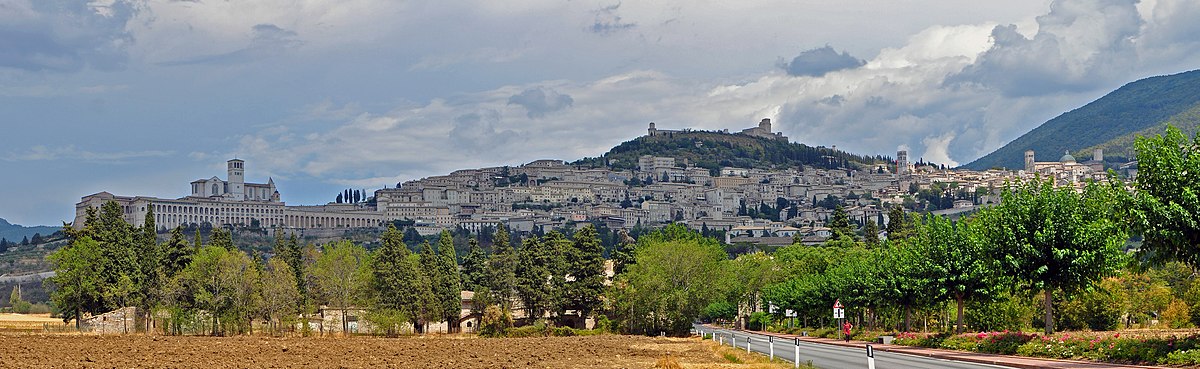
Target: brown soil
(137,351)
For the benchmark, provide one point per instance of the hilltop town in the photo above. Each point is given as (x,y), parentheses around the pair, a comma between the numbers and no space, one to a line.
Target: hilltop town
(764,206)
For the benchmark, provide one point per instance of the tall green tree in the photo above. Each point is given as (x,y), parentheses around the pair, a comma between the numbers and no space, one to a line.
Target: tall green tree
(396,280)
(342,274)
(533,274)
(961,264)
(279,294)
(1051,238)
(448,285)
(77,286)
(430,308)
(871,234)
(176,253)
(1166,207)
(839,224)
(221,237)
(585,264)
(502,280)
(899,224)
(474,267)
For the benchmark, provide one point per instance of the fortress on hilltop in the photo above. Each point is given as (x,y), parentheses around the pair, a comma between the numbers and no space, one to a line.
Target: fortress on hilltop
(763,130)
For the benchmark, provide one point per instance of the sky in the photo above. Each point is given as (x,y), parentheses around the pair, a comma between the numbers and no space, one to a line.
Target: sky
(140,97)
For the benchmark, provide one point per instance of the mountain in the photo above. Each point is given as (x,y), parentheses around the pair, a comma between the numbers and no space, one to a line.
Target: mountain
(14,232)
(713,150)
(1111,122)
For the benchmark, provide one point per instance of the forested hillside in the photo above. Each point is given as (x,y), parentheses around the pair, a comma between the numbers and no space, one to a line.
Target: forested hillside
(1111,121)
(714,150)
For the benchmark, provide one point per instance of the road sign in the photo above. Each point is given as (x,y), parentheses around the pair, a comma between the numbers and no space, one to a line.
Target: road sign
(839,313)
(773,309)
(790,313)
(837,304)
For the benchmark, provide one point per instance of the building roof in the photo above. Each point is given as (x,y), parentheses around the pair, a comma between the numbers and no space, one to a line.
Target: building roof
(1067,158)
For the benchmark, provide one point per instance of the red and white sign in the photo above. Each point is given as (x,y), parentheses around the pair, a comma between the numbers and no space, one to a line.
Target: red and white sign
(837,304)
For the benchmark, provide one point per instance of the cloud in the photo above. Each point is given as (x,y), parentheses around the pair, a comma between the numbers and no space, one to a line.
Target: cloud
(608,22)
(64,35)
(817,62)
(1079,45)
(267,40)
(539,101)
(70,152)
(482,55)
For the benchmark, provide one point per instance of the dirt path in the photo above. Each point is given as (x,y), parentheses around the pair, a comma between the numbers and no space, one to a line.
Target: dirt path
(78,351)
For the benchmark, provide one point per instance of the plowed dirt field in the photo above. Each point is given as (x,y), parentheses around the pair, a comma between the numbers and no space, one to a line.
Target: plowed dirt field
(135,351)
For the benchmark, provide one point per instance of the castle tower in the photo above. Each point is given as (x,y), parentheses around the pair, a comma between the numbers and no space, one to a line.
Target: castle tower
(237,179)
(1029,161)
(765,125)
(1098,154)
(651,131)
(901,162)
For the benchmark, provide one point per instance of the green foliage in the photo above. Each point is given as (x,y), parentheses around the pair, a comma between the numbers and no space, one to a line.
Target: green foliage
(280,297)
(343,276)
(222,283)
(474,267)
(719,311)
(395,281)
(447,283)
(758,321)
(964,270)
(1166,207)
(1055,238)
(78,284)
(585,264)
(678,273)
(496,322)
(1129,109)
(502,279)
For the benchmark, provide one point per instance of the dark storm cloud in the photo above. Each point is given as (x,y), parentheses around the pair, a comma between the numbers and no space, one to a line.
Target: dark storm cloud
(538,101)
(817,62)
(63,36)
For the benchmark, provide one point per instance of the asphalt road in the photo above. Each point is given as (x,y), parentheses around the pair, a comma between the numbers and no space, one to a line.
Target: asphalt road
(836,357)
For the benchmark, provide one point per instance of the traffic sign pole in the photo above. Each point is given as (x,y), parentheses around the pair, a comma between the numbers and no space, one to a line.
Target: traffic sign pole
(771,343)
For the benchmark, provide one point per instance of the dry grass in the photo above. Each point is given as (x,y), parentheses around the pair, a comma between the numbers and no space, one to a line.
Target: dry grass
(739,358)
(668,362)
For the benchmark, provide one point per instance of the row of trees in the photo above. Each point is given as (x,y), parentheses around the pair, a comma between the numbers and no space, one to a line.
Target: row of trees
(217,288)
(1041,238)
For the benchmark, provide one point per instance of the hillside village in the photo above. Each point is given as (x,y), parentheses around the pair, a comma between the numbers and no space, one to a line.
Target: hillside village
(763,206)
(766,207)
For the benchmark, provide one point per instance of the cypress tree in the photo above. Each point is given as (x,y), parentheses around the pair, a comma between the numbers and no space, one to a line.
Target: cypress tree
(586,264)
(502,278)
(448,284)
(474,273)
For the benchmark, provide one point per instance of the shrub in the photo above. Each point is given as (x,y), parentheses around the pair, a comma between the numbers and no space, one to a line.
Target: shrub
(495,322)
(1007,313)
(758,321)
(1183,357)
(603,324)
(1005,343)
(1177,315)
